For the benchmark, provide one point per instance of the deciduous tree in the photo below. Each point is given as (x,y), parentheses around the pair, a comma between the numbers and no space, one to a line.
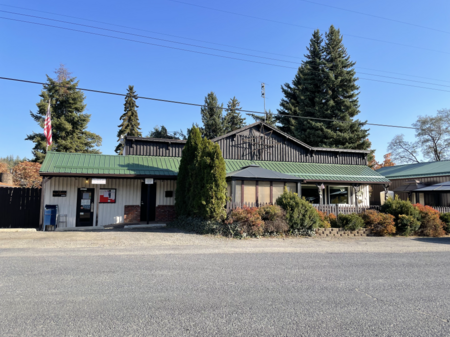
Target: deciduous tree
(404,152)
(26,174)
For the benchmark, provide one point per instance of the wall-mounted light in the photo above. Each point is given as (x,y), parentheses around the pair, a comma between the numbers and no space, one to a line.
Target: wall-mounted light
(87,180)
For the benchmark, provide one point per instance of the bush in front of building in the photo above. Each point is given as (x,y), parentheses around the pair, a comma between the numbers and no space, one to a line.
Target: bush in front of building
(324,223)
(407,224)
(247,221)
(350,222)
(332,219)
(397,207)
(379,223)
(274,218)
(430,222)
(445,218)
(301,216)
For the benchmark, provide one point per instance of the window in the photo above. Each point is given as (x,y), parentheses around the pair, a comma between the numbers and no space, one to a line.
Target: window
(291,187)
(311,193)
(250,191)
(264,192)
(339,195)
(278,189)
(238,192)
(229,188)
(169,194)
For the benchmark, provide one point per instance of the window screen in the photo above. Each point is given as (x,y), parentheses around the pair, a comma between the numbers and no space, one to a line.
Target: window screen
(250,191)
(278,189)
(291,187)
(264,192)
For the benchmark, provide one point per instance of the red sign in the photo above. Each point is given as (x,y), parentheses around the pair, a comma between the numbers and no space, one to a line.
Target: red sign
(107,195)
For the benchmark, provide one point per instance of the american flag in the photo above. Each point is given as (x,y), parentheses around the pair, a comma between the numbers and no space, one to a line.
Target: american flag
(48,127)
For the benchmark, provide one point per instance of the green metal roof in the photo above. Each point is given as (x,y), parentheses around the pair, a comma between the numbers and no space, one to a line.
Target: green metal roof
(435,168)
(79,164)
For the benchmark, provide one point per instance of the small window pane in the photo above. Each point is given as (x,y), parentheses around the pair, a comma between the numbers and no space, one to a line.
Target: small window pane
(278,189)
(291,187)
(311,193)
(250,191)
(264,192)
(229,189)
(338,195)
(238,192)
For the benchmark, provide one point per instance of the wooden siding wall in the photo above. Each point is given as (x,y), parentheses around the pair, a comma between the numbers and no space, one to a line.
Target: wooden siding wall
(145,148)
(237,146)
(444,200)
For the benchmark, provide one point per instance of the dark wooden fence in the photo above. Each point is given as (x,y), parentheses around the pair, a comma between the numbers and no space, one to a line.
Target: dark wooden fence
(19,207)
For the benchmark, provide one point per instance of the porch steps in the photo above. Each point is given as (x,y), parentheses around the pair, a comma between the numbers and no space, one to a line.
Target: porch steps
(340,232)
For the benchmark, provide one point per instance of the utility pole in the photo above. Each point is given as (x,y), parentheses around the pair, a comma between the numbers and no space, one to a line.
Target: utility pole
(263,95)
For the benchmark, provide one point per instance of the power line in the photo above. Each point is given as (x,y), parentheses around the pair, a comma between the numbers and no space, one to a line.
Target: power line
(150,31)
(203,41)
(249,112)
(376,16)
(197,46)
(305,27)
(222,56)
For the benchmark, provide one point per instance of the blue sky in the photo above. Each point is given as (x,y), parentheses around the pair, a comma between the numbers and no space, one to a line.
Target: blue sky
(30,52)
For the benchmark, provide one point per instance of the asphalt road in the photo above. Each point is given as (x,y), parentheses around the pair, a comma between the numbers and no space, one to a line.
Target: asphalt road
(137,293)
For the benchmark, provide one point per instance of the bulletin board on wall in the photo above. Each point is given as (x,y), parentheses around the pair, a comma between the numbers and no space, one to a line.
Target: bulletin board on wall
(107,196)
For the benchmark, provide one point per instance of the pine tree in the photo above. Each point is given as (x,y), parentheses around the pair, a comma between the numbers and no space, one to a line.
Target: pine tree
(342,101)
(269,118)
(324,87)
(212,117)
(185,179)
(233,119)
(305,96)
(130,119)
(69,123)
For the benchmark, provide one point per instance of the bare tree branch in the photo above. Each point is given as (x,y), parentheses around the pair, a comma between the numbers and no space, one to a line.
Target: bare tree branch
(403,152)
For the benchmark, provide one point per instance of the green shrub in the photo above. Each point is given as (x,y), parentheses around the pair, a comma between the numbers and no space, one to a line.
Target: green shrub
(397,207)
(301,216)
(351,222)
(379,223)
(407,225)
(445,218)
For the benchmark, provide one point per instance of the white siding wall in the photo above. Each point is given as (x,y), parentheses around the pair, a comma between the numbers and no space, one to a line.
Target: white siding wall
(161,187)
(128,192)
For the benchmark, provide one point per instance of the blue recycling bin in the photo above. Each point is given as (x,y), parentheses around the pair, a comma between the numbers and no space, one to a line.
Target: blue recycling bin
(50,215)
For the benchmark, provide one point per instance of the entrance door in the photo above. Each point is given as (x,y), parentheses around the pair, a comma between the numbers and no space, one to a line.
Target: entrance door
(85,207)
(148,201)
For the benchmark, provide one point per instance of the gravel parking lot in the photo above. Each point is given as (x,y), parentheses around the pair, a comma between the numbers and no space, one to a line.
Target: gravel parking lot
(168,283)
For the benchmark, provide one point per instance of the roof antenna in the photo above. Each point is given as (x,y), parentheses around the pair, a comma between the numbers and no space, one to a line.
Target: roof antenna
(263,95)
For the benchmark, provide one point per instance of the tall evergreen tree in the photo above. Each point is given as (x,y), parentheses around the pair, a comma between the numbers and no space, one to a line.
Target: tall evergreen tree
(69,123)
(212,117)
(130,119)
(324,87)
(233,119)
(342,101)
(185,179)
(305,96)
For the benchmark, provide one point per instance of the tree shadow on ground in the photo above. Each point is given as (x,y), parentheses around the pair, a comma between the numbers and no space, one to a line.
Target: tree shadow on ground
(444,240)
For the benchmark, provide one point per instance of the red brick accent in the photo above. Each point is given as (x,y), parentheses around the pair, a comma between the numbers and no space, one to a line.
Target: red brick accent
(132,214)
(165,213)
